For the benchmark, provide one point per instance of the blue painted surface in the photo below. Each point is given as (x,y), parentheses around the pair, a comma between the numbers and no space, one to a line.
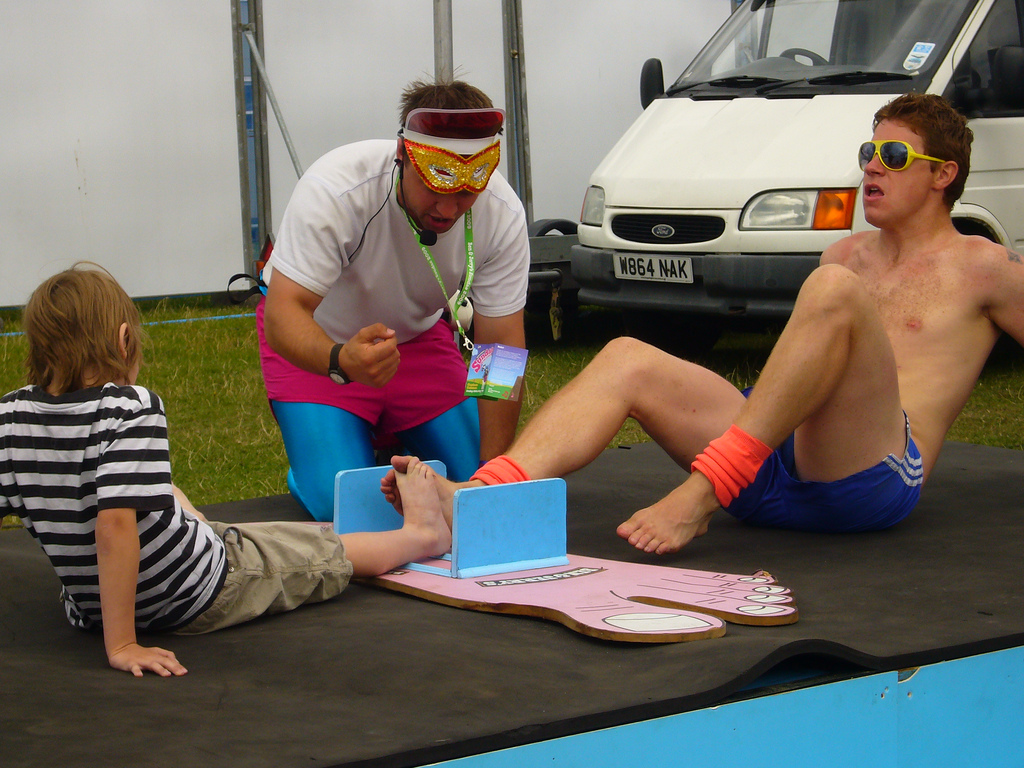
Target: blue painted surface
(495,529)
(851,723)
(360,506)
(964,712)
(505,528)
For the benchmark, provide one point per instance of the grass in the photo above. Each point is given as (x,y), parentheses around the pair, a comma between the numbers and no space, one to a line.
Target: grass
(225,445)
(224,442)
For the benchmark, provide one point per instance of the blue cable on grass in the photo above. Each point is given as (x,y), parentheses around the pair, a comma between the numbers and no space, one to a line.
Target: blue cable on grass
(165,322)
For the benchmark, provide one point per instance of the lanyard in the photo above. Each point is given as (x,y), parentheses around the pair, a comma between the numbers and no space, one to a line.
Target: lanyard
(457,299)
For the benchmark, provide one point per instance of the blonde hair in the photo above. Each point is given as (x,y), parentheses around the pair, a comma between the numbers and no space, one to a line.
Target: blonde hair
(73,321)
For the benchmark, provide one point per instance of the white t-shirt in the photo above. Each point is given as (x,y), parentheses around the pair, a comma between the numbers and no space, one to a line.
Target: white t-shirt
(387,279)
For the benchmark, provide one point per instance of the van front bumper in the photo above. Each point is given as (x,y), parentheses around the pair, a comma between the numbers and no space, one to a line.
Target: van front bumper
(735,284)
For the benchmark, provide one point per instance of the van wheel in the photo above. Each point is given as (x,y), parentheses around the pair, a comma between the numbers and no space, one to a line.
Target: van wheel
(967,226)
(683,335)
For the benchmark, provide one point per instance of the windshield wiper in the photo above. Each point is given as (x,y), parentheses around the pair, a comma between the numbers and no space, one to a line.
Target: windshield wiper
(857,77)
(757,83)
(744,81)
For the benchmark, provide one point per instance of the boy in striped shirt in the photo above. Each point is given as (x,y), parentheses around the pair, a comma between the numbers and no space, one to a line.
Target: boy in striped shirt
(84,462)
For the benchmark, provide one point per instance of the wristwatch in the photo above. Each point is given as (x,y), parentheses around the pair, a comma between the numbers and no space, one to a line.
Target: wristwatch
(334,370)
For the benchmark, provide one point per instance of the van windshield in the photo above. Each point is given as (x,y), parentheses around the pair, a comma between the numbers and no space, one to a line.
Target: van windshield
(808,47)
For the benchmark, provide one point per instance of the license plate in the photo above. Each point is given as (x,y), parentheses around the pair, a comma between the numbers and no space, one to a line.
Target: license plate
(664,269)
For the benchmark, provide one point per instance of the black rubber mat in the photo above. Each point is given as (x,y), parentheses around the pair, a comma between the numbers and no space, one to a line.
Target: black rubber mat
(375,678)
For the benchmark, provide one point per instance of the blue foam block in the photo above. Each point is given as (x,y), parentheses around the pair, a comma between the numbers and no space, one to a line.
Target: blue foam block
(360,506)
(495,529)
(504,528)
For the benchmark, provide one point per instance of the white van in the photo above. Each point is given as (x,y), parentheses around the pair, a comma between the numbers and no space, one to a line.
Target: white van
(720,198)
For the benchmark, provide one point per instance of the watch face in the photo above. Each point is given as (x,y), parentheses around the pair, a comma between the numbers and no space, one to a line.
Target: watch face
(338,378)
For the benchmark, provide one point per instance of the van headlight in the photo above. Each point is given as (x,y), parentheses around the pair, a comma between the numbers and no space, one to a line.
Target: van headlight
(593,207)
(800,209)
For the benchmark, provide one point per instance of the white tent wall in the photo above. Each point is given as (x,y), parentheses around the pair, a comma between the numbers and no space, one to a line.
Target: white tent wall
(338,68)
(583,81)
(118,144)
(118,140)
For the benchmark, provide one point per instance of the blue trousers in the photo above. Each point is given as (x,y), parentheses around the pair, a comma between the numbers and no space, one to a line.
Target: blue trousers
(322,440)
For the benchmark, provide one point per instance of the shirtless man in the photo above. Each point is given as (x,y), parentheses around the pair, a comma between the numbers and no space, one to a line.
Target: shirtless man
(886,341)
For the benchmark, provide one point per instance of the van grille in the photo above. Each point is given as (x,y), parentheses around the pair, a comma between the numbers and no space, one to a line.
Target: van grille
(641,228)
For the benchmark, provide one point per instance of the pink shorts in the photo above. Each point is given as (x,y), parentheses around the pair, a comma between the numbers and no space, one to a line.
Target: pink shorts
(430,380)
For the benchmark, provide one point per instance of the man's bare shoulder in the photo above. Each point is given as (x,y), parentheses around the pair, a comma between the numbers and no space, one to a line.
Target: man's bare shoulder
(994,276)
(982,256)
(846,250)
(983,246)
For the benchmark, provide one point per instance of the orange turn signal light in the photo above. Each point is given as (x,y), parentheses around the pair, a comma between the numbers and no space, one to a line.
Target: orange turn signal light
(834,209)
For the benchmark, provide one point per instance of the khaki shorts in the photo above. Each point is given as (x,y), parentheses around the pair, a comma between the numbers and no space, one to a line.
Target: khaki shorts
(272,568)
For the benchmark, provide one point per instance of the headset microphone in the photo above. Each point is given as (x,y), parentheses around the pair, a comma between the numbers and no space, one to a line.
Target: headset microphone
(427,237)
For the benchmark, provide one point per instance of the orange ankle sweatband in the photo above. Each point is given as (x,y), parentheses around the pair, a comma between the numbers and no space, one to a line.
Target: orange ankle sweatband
(731,462)
(501,469)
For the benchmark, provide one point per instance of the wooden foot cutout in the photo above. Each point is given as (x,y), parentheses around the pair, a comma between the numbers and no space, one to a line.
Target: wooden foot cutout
(509,556)
(612,600)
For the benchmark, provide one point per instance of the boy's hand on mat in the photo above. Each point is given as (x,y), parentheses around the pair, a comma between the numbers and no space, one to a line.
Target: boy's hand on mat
(136,659)
(371,356)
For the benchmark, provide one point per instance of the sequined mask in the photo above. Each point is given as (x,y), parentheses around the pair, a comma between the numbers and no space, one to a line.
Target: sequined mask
(447,172)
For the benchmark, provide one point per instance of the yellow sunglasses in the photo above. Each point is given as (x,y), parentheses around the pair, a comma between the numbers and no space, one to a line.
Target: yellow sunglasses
(895,155)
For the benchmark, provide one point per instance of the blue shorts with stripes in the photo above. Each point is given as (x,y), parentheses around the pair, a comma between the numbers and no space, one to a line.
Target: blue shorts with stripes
(877,498)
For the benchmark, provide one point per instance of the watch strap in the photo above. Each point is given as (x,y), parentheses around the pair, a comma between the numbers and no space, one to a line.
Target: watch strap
(334,369)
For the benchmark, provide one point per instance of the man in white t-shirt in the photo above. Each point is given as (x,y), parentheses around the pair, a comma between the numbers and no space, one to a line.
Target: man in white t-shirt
(381,255)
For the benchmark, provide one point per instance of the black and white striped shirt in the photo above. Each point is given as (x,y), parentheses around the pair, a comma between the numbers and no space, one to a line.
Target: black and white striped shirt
(62,459)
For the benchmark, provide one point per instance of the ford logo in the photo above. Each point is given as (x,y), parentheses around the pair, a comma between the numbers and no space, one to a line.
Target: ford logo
(663,231)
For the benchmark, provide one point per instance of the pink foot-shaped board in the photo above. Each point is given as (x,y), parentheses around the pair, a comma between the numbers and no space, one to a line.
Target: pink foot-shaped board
(614,600)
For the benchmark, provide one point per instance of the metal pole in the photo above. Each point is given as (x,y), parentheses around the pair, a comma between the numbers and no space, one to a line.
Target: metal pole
(258,61)
(243,144)
(444,66)
(517,128)
(261,142)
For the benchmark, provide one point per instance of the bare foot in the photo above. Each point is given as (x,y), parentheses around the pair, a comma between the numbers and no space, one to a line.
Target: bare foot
(673,522)
(446,492)
(388,483)
(445,488)
(421,508)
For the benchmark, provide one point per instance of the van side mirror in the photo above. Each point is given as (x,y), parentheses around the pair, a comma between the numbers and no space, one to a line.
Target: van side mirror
(1008,76)
(652,82)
